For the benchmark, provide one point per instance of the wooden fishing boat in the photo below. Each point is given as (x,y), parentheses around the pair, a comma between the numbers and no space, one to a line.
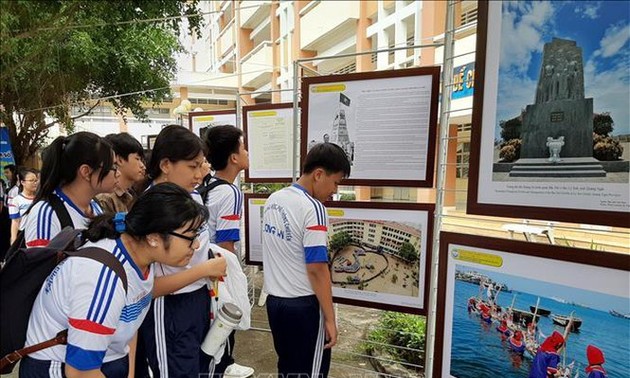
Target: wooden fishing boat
(562,320)
(523,317)
(541,311)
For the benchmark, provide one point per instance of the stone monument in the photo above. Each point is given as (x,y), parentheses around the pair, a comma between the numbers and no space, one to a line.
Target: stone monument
(557,130)
(340,134)
(560,108)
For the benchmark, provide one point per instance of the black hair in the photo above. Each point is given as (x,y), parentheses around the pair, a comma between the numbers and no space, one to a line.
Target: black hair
(161,209)
(64,156)
(174,143)
(328,156)
(13,169)
(124,145)
(221,142)
(22,176)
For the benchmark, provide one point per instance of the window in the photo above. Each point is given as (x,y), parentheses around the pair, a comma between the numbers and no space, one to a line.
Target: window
(463,157)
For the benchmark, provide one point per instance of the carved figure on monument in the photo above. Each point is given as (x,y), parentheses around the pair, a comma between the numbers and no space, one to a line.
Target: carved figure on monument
(555,145)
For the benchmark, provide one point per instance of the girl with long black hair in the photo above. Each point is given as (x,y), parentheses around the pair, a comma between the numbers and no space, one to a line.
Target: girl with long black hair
(176,325)
(75,169)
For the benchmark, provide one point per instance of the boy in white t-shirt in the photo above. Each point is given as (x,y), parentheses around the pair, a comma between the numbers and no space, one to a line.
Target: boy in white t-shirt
(295,258)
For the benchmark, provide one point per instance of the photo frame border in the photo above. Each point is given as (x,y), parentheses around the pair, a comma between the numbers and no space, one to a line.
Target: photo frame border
(433,71)
(427,240)
(609,260)
(473,206)
(192,115)
(260,107)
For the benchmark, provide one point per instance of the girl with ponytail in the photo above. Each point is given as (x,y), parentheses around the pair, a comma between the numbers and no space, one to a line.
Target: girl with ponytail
(88,299)
(75,169)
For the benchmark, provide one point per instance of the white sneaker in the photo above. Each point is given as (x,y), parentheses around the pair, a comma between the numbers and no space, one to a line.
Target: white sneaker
(238,371)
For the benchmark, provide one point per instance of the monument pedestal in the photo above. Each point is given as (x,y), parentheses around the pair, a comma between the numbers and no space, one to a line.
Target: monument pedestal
(567,167)
(572,119)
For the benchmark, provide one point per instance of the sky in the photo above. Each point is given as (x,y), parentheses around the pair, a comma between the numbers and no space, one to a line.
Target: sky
(599,301)
(600,28)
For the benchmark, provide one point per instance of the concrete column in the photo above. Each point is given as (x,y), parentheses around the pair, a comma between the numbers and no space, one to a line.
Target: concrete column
(364,62)
(400,37)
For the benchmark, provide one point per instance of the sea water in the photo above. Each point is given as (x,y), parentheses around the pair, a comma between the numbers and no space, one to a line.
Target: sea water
(478,350)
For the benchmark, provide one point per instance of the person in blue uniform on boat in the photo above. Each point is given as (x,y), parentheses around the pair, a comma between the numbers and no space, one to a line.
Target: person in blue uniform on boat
(595,361)
(546,361)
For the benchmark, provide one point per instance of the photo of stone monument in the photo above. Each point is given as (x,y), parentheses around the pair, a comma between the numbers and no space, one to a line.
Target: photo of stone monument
(562,106)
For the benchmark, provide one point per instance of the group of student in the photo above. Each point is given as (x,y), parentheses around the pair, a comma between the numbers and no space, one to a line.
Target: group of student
(16,196)
(170,242)
(174,240)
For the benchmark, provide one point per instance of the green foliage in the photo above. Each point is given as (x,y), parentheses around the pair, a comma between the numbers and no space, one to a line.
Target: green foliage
(347,197)
(399,330)
(268,188)
(603,124)
(394,278)
(408,252)
(510,150)
(605,148)
(511,129)
(58,54)
(339,240)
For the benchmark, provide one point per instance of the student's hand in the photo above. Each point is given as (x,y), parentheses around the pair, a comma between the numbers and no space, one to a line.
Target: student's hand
(215,267)
(331,333)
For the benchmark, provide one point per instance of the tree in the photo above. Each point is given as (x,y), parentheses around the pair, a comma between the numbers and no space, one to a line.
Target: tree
(408,252)
(339,240)
(60,54)
(511,129)
(603,124)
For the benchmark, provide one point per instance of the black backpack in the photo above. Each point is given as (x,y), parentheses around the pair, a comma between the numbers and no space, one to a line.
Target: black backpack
(64,218)
(21,279)
(208,186)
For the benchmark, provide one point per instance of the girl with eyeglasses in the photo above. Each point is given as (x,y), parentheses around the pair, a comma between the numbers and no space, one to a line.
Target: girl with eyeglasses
(75,169)
(29,180)
(177,323)
(87,298)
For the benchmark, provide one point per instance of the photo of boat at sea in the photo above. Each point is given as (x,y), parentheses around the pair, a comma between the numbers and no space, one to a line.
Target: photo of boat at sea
(484,322)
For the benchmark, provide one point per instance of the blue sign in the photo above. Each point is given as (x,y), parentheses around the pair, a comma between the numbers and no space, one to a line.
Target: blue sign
(6,153)
(463,81)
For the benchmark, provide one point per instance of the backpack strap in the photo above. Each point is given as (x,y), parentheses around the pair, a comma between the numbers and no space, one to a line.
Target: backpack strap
(204,190)
(94,253)
(60,209)
(105,258)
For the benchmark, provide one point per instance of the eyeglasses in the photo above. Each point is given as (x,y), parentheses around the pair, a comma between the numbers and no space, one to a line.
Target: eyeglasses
(191,239)
(35,180)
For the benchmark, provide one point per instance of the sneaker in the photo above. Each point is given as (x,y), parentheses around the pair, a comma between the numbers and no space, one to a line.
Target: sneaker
(238,371)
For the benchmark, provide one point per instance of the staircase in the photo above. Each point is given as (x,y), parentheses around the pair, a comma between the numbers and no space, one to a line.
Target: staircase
(567,167)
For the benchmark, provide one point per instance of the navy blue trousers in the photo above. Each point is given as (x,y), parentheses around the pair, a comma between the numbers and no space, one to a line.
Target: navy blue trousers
(172,334)
(297,327)
(32,368)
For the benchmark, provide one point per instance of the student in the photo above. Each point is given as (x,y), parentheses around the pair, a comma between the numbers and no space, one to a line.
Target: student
(295,258)
(595,361)
(176,324)
(547,358)
(29,180)
(85,297)
(131,169)
(228,157)
(10,172)
(75,169)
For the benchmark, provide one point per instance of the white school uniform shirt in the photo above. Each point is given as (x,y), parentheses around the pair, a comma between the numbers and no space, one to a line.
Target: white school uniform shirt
(225,204)
(42,224)
(18,207)
(294,234)
(199,256)
(11,193)
(89,299)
